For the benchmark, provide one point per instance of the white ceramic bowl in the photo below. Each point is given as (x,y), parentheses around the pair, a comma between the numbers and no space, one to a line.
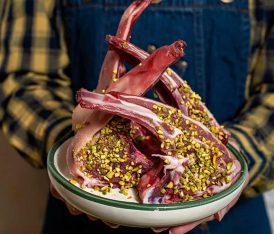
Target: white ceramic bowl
(119,209)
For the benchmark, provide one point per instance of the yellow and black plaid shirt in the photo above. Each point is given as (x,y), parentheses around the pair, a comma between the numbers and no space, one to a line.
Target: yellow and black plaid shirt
(36,98)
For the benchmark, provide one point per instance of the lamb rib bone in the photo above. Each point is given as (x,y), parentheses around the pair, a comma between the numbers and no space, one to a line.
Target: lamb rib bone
(112,67)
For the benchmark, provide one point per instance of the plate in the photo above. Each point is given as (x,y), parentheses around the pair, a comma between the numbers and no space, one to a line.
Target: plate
(127,210)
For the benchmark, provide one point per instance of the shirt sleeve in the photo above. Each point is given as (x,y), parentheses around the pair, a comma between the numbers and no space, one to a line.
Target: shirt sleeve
(253,129)
(35,95)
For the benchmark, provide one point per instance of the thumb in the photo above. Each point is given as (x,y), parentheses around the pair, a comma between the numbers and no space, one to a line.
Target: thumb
(187,227)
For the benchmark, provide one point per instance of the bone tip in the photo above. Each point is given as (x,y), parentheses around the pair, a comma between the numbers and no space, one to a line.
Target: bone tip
(178,48)
(108,37)
(180,45)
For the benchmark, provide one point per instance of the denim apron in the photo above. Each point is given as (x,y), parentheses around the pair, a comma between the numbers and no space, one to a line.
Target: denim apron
(215,66)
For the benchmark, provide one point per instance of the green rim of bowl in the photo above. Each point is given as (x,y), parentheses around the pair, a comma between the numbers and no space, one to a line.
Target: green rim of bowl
(138,206)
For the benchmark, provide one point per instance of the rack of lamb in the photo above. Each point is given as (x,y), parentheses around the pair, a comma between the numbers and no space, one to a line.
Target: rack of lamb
(170,150)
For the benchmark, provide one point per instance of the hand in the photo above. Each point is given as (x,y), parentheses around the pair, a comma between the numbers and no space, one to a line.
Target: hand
(74,211)
(234,143)
(187,227)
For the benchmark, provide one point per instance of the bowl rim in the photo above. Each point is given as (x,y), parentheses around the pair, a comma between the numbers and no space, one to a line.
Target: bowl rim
(138,206)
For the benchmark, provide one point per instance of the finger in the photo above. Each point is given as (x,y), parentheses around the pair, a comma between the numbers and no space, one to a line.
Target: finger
(234,143)
(73,210)
(158,230)
(92,218)
(112,225)
(187,227)
(246,182)
(55,193)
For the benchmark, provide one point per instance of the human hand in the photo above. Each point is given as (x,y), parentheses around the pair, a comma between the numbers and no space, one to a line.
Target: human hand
(74,211)
(181,229)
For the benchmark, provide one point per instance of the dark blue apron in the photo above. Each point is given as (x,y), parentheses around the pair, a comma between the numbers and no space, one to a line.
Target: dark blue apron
(215,65)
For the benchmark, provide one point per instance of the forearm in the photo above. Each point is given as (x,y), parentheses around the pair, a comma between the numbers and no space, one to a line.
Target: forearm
(253,128)
(35,95)
(35,111)
(253,131)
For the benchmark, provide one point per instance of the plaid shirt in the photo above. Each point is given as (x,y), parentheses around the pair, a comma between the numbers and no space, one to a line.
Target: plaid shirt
(33,55)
